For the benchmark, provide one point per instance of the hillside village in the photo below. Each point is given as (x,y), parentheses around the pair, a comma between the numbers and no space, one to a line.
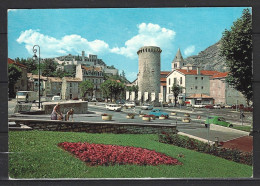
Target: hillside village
(199,84)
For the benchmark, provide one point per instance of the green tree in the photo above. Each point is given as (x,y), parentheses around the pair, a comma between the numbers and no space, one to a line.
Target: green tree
(112,88)
(176,90)
(48,68)
(86,87)
(14,74)
(237,49)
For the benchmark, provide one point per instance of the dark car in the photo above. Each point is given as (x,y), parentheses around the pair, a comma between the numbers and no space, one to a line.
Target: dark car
(209,106)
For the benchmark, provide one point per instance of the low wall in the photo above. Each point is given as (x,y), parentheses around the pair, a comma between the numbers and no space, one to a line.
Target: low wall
(96,127)
(79,107)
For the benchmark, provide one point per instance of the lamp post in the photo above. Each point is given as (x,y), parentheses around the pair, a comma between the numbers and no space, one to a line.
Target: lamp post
(35,57)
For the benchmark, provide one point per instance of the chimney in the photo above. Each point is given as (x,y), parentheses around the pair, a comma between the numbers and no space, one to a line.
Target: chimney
(198,70)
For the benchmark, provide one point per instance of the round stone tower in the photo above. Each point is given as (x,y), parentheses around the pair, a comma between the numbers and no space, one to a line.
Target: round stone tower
(149,58)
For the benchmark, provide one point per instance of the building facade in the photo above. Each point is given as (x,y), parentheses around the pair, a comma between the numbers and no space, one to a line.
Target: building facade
(70,88)
(53,86)
(223,93)
(94,75)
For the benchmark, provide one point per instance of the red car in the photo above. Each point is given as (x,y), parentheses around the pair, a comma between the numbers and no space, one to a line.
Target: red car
(209,106)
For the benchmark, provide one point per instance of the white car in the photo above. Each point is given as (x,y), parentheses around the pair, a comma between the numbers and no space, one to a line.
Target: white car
(113,107)
(56,98)
(130,104)
(147,107)
(198,106)
(217,106)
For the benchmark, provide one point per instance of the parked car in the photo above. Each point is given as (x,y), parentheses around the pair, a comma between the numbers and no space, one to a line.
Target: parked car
(170,104)
(147,107)
(209,106)
(217,120)
(129,104)
(217,106)
(158,113)
(121,102)
(228,106)
(199,106)
(113,107)
(56,98)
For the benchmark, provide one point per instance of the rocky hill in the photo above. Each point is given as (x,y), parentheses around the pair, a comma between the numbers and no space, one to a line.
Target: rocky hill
(209,59)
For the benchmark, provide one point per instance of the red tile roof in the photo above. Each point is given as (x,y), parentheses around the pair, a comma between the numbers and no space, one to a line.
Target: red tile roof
(163,79)
(165,72)
(91,68)
(10,61)
(72,79)
(163,84)
(194,72)
(220,75)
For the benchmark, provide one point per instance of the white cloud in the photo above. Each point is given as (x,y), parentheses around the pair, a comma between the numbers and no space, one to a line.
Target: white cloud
(189,50)
(51,47)
(148,35)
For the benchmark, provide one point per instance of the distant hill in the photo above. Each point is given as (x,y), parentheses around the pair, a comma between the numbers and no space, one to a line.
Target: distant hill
(209,59)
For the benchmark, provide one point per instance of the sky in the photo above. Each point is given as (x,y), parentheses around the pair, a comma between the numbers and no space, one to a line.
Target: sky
(115,35)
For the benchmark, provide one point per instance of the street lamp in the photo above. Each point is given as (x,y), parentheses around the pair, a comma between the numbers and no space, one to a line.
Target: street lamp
(34,58)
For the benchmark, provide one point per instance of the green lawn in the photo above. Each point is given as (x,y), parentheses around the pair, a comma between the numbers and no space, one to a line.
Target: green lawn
(243,128)
(34,154)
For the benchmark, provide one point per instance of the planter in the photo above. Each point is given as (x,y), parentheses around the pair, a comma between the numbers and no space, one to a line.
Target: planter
(107,118)
(130,117)
(173,113)
(146,118)
(152,118)
(186,120)
(187,115)
(162,117)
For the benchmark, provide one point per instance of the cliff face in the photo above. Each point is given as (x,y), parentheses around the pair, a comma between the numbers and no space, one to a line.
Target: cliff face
(209,59)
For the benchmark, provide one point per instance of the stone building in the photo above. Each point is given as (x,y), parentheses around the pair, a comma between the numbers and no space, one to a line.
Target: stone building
(93,74)
(70,88)
(223,93)
(192,81)
(53,86)
(149,59)
(163,80)
(21,84)
(35,86)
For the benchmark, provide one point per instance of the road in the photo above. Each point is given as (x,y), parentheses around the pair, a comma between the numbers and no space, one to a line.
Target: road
(195,128)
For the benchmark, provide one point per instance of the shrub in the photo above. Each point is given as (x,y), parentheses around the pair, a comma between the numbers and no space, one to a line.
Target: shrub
(185,142)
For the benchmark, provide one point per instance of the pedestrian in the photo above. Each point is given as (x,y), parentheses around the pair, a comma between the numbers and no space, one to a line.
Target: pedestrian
(68,114)
(56,113)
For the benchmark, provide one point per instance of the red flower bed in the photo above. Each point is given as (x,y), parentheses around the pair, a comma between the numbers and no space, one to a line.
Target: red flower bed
(99,154)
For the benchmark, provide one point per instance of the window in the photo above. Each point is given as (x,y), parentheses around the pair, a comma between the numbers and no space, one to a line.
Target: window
(169,89)
(70,84)
(169,81)
(196,78)
(181,80)
(201,87)
(201,78)
(196,87)
(175,81)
